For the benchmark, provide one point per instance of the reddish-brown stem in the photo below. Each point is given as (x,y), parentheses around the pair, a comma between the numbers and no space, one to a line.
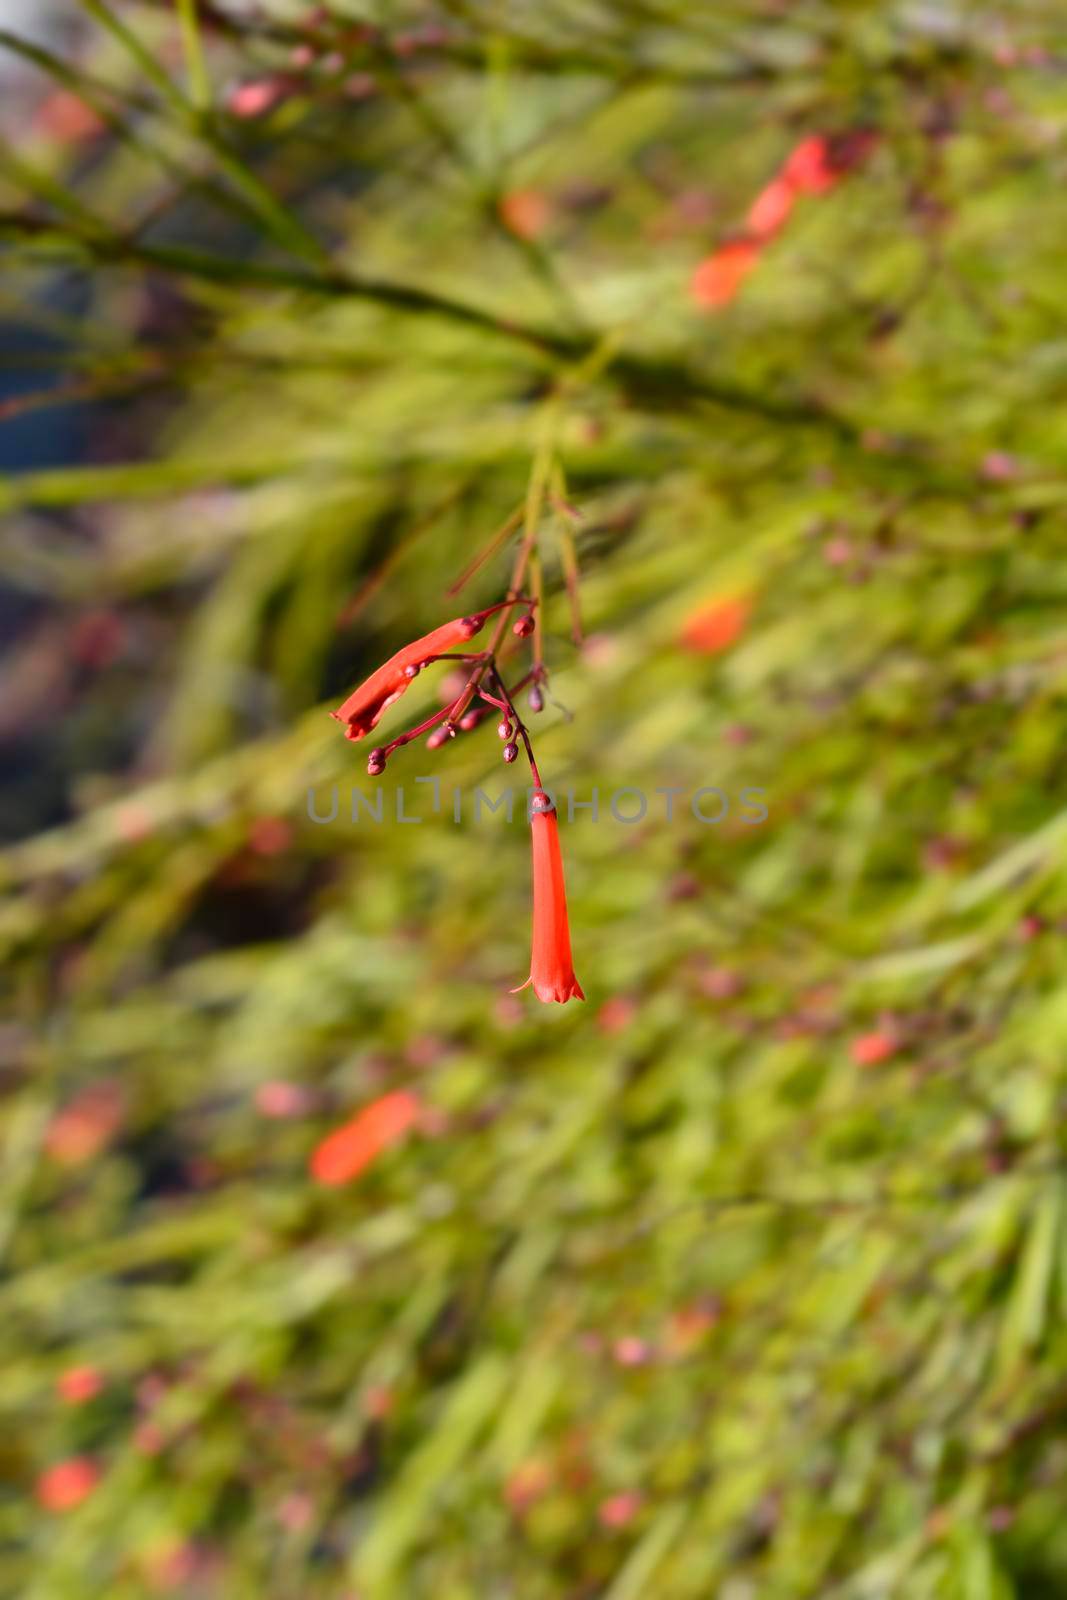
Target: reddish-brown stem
(520,725)
(483,661)
(413,733)
(455,655)
(512,600)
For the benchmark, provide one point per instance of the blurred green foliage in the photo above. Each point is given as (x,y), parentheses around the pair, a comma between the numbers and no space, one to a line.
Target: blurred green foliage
(749,1277)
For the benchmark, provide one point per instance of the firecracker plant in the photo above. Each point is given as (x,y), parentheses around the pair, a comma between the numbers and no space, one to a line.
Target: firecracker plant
(485,694)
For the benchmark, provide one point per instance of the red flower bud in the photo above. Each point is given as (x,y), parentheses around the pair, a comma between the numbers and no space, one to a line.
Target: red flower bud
(363,709)
(524,626)
(535,699)
(510,752)
(504,729)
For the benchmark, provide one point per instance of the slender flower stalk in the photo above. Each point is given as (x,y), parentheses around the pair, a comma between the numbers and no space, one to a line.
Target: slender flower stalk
(551,963)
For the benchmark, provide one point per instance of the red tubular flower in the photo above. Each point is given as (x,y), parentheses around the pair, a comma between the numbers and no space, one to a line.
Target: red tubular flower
(719,276)
(78,1385)
(363,709)
(717,624)
(809,167)
(551,965)
(770,211)
(344,1153)
(66,1484)
(813,166)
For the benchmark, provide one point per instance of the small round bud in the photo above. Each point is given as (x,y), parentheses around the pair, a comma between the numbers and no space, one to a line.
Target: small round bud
(504,729)
(535,699)
(524,627)
(470,720)
(439,736)
(510,752)
(412,671)
(376,763)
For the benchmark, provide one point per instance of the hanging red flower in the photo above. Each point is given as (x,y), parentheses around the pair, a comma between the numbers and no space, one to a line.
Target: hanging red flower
(483,694)
(551,963)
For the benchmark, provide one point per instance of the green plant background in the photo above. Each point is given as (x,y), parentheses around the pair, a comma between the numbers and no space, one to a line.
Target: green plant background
(677,1244)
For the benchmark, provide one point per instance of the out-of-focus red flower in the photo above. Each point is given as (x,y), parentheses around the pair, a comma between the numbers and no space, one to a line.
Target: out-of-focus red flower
(551,963)
(173,1564)
(255,99)
(717,278)
(78,1385)
(65,117)
(812,167)
(809,168)
(616,1014)
(721,983)
(717,624)
(363,709)
(526,212)
(771,208)
(529,1482)
(689,1325)
(134,822)
(85,1125)
(149,1438)
(361,86)
(869,1049)
(999,467)
(620,1509)
(68,1483)
(837,552)
(281,1100)
(295,1511)
(426,1050)
(630,1351)
(344,1154)
(379,1402)
(430,36)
